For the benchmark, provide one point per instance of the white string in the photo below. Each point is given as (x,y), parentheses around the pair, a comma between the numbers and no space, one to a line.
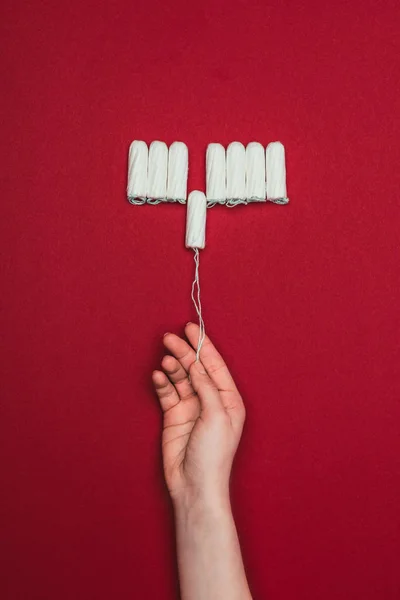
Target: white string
(230,203)
(197,302)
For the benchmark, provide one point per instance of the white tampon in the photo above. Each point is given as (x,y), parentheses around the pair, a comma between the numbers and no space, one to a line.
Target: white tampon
(196,220)
(276,171)
(157,172)
(137,170)
(215,173)
(255,172)
(236,171)
(177,172)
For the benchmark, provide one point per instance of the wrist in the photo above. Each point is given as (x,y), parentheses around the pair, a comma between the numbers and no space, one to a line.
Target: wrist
(201,503)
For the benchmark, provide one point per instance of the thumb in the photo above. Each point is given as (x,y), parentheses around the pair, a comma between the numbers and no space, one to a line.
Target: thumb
(205,388)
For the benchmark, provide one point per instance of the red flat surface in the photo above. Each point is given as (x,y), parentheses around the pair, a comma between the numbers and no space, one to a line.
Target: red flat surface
(302,300)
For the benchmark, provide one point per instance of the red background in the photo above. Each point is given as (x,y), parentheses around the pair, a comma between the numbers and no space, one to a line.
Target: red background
(301,300)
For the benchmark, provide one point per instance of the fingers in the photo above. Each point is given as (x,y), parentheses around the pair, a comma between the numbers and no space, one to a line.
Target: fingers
(166,392)
(212,360)
(180,349)
(208,394)
(178,376)
(216,383)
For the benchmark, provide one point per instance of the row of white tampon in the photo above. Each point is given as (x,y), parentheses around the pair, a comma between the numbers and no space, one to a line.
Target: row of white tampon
(236,176)
(157,173)
(242,175)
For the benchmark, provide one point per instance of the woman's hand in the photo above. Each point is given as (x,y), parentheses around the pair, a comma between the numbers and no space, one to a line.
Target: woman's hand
(203,419)
(203,422)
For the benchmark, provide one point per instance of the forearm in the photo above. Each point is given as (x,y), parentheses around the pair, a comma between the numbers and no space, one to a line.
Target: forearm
(209,558)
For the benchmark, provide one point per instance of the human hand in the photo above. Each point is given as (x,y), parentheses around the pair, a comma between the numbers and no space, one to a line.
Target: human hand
(203,418)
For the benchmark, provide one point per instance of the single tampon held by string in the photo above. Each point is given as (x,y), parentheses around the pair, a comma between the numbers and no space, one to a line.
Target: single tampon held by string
(276,173)
(177,172)
(196,239)
(196,220)
(137,172)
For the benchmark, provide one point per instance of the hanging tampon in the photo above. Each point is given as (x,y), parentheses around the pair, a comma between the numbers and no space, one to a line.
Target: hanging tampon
(236,171)
(196,239)
(137,170)
(157,172)
(177,172)
(276,172)
(255,172)
(215,173)
(196,220)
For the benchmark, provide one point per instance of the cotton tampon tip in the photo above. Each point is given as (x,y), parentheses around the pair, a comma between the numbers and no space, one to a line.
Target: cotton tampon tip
(275,164)
(215,173)
(137,170)
(255,172)
(157,171)
(236,171)
(177,172)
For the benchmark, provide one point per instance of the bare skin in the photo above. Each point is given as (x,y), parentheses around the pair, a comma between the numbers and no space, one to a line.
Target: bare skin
(204,416)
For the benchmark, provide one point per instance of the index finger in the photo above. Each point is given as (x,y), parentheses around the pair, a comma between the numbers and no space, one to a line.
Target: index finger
(182,351)
(212,360)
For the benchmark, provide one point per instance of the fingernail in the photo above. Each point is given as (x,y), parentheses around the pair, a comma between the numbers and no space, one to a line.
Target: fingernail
(166,333)
(200,367)
(188,323)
